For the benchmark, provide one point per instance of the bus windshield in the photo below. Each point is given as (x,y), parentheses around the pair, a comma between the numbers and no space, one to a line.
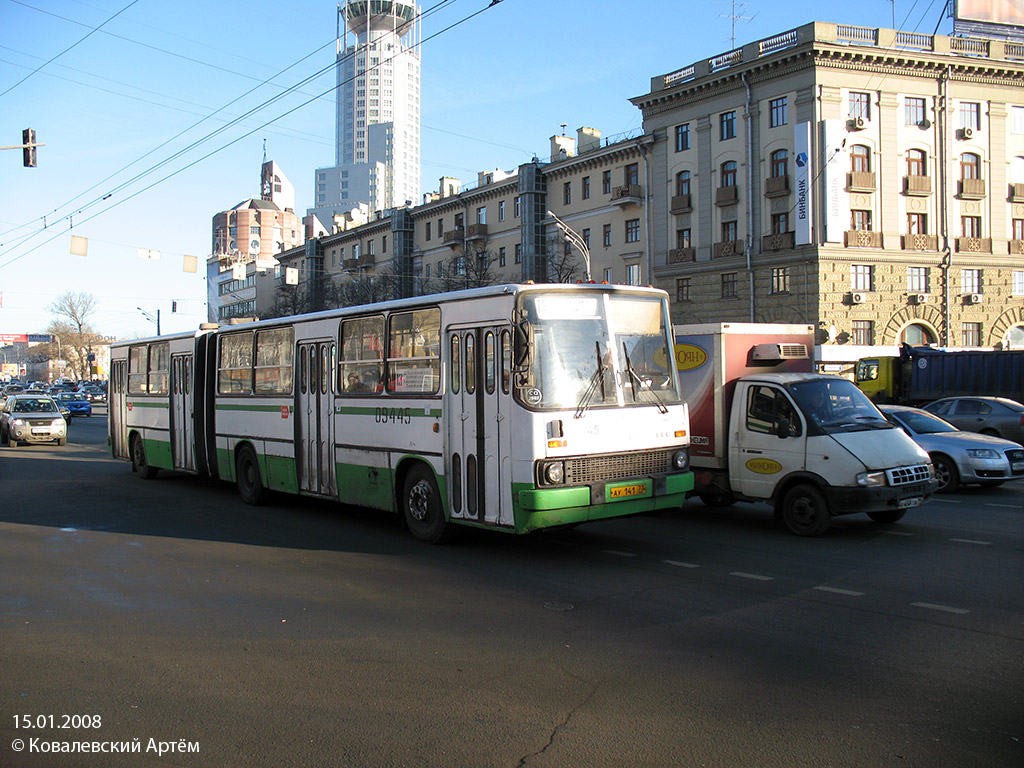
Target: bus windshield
(597,349)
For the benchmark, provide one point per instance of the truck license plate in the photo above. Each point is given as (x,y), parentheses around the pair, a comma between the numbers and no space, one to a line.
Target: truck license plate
(908,503)
(625,491)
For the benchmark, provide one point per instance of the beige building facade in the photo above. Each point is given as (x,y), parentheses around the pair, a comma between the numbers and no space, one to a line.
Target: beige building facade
(867,181)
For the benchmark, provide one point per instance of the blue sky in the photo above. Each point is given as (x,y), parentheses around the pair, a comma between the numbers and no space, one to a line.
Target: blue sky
(115,88)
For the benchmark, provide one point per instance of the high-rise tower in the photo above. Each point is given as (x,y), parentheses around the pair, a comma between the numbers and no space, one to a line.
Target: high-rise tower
(377,141)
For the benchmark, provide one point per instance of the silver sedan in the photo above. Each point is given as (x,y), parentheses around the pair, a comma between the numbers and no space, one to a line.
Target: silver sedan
(959,457)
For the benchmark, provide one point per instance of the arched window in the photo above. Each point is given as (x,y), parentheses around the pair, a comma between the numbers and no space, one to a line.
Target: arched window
(1014,337)
(729,174)
(917,335)
(780,163)
(970,166)
(683,183)
(860,159)
(917,162)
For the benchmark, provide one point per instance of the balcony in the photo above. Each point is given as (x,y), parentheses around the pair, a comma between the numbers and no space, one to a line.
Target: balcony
(728,248)
(1016,247)
(974,245)
(780,241)
(729,195)
(454,237)
(627,194)
(1017,193)
(862,238)
(681,204)
(917,186)
(861,181)
(920,242)
(681,255)
(349,263)
(476,232)
(366,260)
(776,186)
(972,189)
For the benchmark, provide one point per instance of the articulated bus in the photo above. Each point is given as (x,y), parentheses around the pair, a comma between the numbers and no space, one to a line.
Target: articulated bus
(512,407)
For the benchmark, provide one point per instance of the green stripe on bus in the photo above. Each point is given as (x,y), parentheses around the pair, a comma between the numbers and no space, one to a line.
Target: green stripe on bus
(148,404)
(255,408)
(386,410)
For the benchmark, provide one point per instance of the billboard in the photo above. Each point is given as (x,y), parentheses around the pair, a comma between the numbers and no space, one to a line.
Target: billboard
(991,11)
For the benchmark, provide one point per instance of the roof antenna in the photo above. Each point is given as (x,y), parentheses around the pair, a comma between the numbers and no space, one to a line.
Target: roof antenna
(264,150)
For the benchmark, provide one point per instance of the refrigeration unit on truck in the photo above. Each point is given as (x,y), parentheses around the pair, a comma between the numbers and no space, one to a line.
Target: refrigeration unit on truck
(765,427)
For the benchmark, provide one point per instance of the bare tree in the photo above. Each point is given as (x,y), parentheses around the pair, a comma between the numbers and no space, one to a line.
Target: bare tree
(463,271)
(564,266)
(72,331)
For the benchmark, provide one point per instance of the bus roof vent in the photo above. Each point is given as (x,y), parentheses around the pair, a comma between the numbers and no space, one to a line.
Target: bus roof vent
(771,352)
(209,326)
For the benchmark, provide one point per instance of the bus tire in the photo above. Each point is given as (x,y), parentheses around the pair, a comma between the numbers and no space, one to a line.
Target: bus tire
(805,511)
(250,484)
(140,465)
(421,506)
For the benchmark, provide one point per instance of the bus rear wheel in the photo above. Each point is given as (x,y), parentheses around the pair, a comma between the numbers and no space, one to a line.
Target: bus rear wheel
(250,484)
(421,506)
(139,462)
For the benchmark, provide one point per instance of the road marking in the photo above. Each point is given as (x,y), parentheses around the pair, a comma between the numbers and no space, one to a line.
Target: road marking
(972,541)
(837,591)
(679,564)
(944,501)
(934,607)
(754,576)
(619,553)
(1004,506)
(897,533)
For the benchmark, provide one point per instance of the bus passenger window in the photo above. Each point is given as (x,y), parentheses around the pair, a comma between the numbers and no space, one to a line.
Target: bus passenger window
(489,362)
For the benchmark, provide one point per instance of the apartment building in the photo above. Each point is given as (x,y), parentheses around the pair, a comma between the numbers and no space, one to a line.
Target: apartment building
(868,181)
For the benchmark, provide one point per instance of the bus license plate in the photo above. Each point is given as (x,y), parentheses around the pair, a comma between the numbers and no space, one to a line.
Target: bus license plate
(908,503)
(626,491)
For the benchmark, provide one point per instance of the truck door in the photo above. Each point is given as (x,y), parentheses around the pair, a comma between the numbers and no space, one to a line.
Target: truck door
(758,457)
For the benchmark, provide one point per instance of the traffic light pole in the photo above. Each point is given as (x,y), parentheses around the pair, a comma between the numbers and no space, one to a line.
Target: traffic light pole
(28,147)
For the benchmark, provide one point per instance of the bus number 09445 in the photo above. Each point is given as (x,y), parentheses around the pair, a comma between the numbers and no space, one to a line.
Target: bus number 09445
(392,416)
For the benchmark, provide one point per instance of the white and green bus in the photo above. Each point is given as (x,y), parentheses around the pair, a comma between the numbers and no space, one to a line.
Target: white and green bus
(512,407)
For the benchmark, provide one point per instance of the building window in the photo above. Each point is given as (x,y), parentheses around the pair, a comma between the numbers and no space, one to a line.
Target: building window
(428,230)
(1018,282)
(917,223)
(517,208)
(682,137)
(608,275)
(481,215)
(633,231)
(519,253)
(728,231)
(860,159)
(606,238)
(970,114)
(606,182)
(863,332)
(683,288)
(777,112)
(567,193)
(861,277)
(917,162)
(913,110)
(970,226)
(860,105)
(729,285)
(917,279)
(501,256)
(586,237)
(727,125)
(683,183)
(780,280)
(860,221)
(970,335)
(501,210)
(780,163)
(1018,229)
(1017,120)
(683,238)
(632,274)
(631,174)
(729,174)
(970,166)
(586,187)
(970,281)
(780,223)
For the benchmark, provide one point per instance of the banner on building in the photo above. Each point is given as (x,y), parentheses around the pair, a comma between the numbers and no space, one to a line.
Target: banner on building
(837,162)
(803,176)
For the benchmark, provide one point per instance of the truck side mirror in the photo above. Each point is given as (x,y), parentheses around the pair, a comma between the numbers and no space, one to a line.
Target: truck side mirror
(782,428)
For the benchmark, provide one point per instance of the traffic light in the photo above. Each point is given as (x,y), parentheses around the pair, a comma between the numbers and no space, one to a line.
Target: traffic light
(174,306)
(28,139)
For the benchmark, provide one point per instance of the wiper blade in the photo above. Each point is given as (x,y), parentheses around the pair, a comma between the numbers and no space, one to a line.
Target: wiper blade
(634,377)
(596,381)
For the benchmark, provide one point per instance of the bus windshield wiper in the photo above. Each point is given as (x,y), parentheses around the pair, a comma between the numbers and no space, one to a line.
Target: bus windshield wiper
(596,381)
(634,378)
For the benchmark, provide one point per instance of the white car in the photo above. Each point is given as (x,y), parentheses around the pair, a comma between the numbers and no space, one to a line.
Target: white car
(959,457)
(32,419)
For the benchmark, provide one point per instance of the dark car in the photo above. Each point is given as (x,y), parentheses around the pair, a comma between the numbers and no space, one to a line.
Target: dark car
(76,403)
(996,416)
(93,394)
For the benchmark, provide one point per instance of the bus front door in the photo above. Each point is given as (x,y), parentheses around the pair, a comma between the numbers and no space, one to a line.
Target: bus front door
(182,446)
(314,422)
(479,425)
(117,408)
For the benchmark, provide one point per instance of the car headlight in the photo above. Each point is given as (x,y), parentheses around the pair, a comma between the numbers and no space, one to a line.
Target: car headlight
(57,422)
(681,459)
(554,472)
(982,453)
(18,422)
(871,479)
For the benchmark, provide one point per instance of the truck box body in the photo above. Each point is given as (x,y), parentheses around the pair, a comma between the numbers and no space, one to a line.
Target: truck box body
(712,356)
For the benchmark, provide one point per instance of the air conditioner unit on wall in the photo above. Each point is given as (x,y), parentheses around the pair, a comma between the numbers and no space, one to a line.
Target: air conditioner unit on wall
(967,133)
(972,298)
(918,298)
(859,123)
(858,298)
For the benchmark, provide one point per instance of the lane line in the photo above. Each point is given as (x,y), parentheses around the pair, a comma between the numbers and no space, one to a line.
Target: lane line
(837,591)
(754,576)
(1004,506)
(944,608)
(619,553)
(679,564)
(973,541)
(933,500)
(897,533)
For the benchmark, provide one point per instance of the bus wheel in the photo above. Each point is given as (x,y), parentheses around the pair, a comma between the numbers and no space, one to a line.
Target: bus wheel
(250,486)
(805,511)
(421,506)
(139,463)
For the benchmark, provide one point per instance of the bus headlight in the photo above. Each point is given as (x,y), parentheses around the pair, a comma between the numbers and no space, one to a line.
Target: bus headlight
(681,459)
(871,479)
(554,473)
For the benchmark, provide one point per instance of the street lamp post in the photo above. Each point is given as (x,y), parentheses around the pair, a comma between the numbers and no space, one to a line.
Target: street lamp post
(576,239)
(151,318)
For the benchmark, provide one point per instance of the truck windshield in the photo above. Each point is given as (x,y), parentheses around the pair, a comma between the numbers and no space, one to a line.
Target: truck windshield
(835,405)
(597,349)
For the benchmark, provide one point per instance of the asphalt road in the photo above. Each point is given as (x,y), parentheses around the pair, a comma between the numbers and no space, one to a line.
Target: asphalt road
(305,633)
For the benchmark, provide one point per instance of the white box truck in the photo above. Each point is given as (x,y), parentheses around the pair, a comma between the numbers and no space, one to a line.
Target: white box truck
(765,427)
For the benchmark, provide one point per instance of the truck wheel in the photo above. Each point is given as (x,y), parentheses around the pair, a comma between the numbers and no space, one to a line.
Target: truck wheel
(805,511)
(139,463)
(421,507)
(250,485)
(888,516)
(946,473)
